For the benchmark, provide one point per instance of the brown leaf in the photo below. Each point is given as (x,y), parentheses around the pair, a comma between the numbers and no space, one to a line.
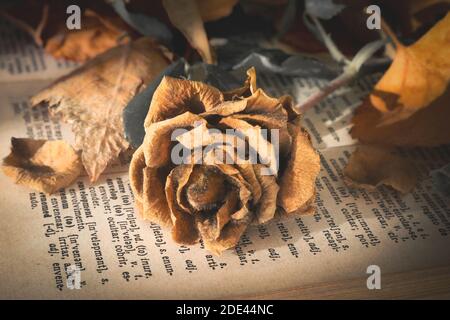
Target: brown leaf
(185,16)
(46,166)
(409,105)
(427,127)
(372,166)
(93,97)
(45,21)
(97,35)
(188,16)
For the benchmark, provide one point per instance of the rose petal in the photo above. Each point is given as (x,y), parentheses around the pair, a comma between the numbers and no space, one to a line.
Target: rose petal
(243,186)
(206,188)
(267,205)
(154,203)
(297,185)
(257,142)
(227,108)
(248,172)
(211,227)
(176,96)
(158,143)
(229,237)
(247,89)
(46,166)
(184,230)
(271,122)
(136,172)
(260,102)
(287,103)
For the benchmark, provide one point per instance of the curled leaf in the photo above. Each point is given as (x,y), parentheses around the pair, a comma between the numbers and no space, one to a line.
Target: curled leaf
(409,105)
(188,16)
(46,166)
(185,15)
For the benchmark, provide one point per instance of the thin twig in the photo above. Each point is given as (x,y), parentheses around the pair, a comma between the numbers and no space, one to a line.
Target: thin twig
(350,71)
(321,94)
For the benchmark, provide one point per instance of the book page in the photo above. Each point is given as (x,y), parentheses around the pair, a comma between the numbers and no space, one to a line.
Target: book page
(94,229)
(21,59)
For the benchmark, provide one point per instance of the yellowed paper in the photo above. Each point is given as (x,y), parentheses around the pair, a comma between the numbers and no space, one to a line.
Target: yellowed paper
(94,229)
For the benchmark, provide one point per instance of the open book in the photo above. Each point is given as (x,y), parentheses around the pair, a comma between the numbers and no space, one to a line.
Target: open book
(93,232)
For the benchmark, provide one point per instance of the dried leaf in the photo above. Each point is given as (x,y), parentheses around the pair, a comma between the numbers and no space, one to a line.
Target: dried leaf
(97,35)
(46,166)
(93,97)
(371,166)
(188,16)
(409,105)
(185,15)
(45,21)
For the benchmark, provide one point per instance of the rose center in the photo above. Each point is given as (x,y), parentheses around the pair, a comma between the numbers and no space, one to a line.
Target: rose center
(206,189)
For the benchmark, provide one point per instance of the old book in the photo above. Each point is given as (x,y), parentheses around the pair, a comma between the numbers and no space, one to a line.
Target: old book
(87,241)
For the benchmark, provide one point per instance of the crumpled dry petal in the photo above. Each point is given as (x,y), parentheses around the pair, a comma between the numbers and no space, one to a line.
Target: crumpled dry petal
(157,141)
(176,96)
(372,166)
(184,230)
(210,197)
(44,165)
(298,182)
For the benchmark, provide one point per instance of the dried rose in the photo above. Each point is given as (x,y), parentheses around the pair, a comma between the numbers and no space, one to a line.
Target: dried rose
(212,199)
